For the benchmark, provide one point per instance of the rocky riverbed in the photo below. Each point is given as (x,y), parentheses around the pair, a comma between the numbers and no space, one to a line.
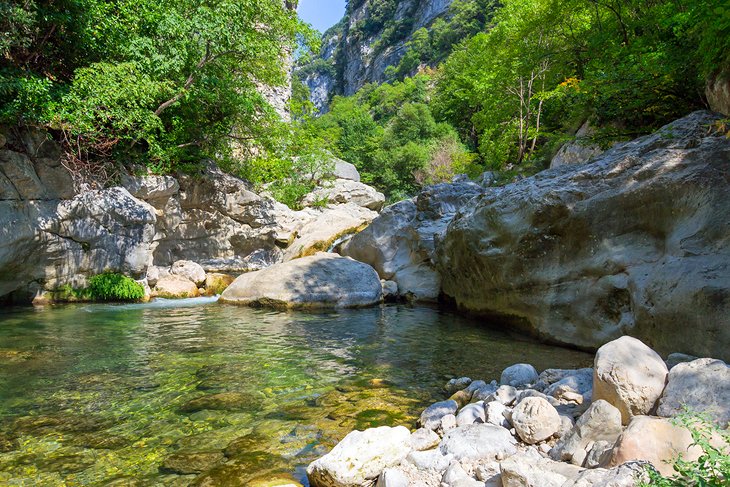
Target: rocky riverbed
(600,426)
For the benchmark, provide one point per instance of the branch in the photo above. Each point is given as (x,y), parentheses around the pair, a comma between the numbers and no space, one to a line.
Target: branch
(188,83)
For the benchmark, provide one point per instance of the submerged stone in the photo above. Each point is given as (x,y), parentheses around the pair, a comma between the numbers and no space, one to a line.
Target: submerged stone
(224,401)
(185,463)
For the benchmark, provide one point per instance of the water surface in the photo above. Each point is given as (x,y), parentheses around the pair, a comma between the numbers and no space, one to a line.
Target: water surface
(197,393)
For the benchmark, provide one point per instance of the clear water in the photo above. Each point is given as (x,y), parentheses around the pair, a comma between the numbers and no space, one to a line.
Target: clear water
(154,394)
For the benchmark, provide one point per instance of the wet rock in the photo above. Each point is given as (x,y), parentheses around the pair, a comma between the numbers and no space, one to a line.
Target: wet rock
(478,441)
(67,464)
(432,415)
(455,385)
(185,463)
(601,422)
(519,375)
(630,376)
(390,290)
(216,283)
(535,420)
(224,401)
(360,457)
(10,443)
(243,471)
(322,280)
(701,386)
(462,398)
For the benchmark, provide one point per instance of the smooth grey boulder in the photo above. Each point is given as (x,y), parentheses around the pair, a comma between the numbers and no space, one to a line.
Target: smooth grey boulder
(630,376)
(319,281)
(519,375)
(478,441)
(578,151)
(400,242)
(629,474)
(601,422)
(701,386)
(345,170)
(556,254)
(360,457)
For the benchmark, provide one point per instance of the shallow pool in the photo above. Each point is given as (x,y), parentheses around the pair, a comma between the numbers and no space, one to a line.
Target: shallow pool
(198,393)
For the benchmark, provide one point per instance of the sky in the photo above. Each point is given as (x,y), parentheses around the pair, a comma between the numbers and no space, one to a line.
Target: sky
(322,14)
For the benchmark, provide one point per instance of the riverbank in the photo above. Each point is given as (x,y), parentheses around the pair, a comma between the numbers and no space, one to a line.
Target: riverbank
(608,425)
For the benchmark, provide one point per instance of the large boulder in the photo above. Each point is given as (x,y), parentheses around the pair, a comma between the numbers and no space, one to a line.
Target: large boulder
(341,191)
(400,242)
(636,241)
(535,420)
(655,440)
(700,386)
(518,375)
(630,376)
(318,281)
(360,457)
(175,286)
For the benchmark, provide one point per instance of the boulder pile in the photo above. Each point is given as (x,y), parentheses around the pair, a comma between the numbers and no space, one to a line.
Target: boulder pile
(601,426)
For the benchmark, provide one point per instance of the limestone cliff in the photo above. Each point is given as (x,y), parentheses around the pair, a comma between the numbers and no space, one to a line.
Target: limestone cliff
(371,37)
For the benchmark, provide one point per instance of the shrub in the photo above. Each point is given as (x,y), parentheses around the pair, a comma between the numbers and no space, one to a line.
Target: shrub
(114,287)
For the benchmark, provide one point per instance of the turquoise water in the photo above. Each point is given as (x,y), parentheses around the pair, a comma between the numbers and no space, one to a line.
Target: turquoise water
(198,393)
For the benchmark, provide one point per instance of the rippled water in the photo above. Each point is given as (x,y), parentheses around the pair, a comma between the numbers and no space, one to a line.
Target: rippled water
(198,393)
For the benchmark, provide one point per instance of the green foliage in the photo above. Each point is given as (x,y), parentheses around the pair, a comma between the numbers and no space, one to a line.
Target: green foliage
(711,469)
(547,65)
(114,287)
(162,82)
(389,133)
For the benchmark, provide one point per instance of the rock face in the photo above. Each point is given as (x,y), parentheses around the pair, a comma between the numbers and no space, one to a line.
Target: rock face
(702,386)
(319,281)
(556,254)
(49,237)
(360,458)
(630,376)
(52,237)
(359,60)
(654,440)
(400,243)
